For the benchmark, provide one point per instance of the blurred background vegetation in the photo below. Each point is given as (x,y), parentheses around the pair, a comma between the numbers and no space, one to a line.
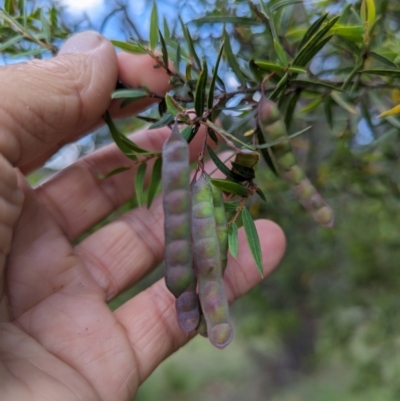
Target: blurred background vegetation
(326,324)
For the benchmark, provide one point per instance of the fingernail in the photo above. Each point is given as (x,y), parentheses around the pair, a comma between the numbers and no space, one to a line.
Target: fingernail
(82,43)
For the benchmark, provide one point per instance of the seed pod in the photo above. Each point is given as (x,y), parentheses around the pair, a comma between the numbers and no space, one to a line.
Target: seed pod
(188,309)
(179,273)
(273,128)
(208,264)
(221,226)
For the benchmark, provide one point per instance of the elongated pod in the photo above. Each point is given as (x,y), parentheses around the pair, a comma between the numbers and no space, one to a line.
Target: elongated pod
(208,265)
(273,128)
(179,273)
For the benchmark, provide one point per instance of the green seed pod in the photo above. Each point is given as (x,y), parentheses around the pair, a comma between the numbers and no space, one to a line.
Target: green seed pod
(179,273)
(208,264)
(273,128)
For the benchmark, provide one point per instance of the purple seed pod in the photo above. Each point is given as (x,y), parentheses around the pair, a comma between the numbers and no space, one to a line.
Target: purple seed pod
(273,128)
(179,273)
(208,264)
(188,309)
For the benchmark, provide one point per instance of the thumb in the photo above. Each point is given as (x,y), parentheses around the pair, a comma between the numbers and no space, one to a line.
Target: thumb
(46,103)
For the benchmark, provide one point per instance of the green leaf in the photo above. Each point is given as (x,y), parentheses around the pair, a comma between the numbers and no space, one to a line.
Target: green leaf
(280,53)
(261,194)
(164,50)
(230,187)
(222,167)
(214,78)
(129,94)
(173,107)
(314,44)
(45,26)
(286,138)
(189,132)
(10,42)
(394,73)
(343,103)
(289,112)
(283,3)
(166,119)
(226,19)
(190,43)
(328,111)
(382,59)
(129,148)
(304,83)
(115,172)
(312,30)
(233,240)
(354,33)
(253,240)
(200,94)
(226,134)
(155,181)
(129,47)
(245,173)
(139,183)
(232,59)
(153,40)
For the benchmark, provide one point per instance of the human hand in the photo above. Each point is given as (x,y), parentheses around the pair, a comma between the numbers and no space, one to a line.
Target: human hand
(58,338)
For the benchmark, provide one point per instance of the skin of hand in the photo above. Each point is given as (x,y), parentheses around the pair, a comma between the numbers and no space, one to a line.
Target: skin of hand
(58,338)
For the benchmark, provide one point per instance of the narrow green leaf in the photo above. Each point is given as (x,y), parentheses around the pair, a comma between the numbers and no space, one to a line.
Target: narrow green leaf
(10,42)
(261,194)
(230,187)
(129,94)
(314,44)
(115,172)
(129,47)
(311,106)
(233,240)
(190,43)
(394,73)
(253,240)
(269,66)
(283,3)
(166,119)
(153,40)
(226,19)
(343,103)
(189,132)
(222,167)
(232,59)
(283,139)
(155,181)
(45,26)
(164,50)
(226,134)
(128,147)
(214,78)
(313,84)
(200,94)
(289,112)
(280,53)
(312,30)
(173,107)
(167,34)
(139,183)
(382,59)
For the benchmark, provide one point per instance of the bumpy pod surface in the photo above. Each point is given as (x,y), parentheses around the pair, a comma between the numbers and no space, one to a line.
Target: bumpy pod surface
(208,265)
(179,273)
(273,128)
(188,309)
